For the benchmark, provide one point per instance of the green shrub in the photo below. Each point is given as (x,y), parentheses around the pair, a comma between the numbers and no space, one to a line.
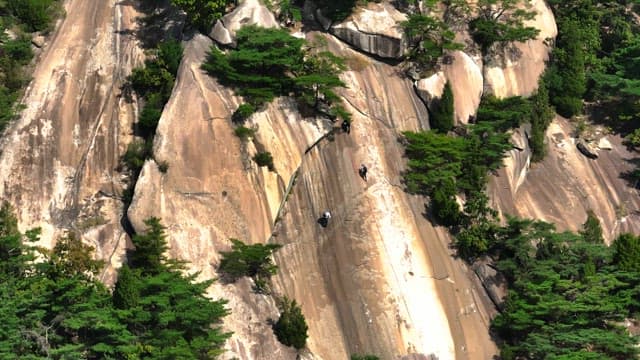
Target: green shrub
(268,63)
(444,207)
(35,14)
(18,50)
(7,113)
(203,13)
(428,38)
(336,10)
(163,166)
(264,158)
(137,152)
(242,113)
(248,260)
(291,328)
(244,133)
(364,357)
(501,21)
(170,55)
(150,115)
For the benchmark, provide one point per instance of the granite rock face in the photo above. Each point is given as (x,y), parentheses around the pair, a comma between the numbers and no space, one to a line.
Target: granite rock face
(248,12)
(465,78)
(515,69)
(375,30)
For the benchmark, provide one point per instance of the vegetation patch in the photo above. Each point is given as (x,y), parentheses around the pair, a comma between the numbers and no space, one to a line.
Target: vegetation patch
(264,158)
(291,328)
(244,133)
(254,261)
(202,14)
(268,63)
(568,295)
(20,18)
(53,306)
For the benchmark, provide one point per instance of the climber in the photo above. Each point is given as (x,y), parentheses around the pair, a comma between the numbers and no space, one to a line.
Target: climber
(363,171)
(346,126)
(324,219)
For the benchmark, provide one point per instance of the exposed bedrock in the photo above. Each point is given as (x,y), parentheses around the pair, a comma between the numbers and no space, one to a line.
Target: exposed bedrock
(566,184)
(516,68)
(248,12)
(374,29)
(59,160)
(378,279)
(465,78)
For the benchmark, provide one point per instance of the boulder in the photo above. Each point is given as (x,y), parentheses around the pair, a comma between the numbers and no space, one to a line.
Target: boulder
(493,283)
(249,12)
(465,78)
(587,149)
(431,88)
(604,144)
(515,69)
(374,30)
(38,41)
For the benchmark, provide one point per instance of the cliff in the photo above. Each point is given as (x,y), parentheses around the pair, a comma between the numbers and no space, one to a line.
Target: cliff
(60,160)
(380,278)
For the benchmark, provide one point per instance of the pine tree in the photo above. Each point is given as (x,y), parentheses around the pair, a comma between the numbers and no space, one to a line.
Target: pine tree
(627,252)
(248,260)
(442,115)
(291,328)
(149,256)
(126,293)
(591,229)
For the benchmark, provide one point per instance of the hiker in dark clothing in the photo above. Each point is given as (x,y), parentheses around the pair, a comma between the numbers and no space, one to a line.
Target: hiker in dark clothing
(363,172)
(346,126)
(324,219)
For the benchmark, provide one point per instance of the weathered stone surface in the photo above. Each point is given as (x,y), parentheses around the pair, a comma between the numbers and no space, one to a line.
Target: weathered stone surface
(374,29)
(566,184)
(604,144)
(248,12)
(515,71)
(431,88)
(38,41)
(59,161)
(344,276)
(493,282)
(213,191)
(464,77)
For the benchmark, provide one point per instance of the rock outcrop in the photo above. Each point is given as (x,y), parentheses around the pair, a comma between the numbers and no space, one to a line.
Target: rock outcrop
(248,12)
(374,29)
(566,184)
(465,78)
(515,69)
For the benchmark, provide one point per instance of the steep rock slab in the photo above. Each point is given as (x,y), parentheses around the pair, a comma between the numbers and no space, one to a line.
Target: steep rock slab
(249,12)
(379,278)
(58,162)
(213,191)
(374,29)
(566,184)
(515,70)
(466,81)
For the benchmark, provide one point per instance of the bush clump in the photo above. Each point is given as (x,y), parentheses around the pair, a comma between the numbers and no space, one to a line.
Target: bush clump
(244,133)
(264,158)
(248,260)
(242,113)
(291,328)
